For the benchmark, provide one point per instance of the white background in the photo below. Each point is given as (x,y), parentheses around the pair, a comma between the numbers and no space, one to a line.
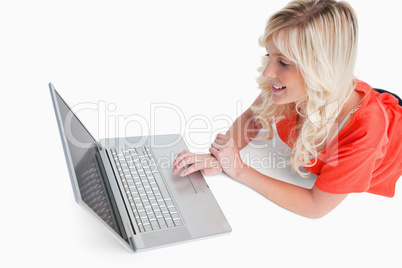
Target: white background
(200,56)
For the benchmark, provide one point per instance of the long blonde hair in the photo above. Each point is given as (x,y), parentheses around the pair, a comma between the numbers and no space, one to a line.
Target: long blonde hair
(320,37)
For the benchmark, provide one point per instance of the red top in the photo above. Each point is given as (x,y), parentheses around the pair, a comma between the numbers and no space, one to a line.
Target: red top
(366,156)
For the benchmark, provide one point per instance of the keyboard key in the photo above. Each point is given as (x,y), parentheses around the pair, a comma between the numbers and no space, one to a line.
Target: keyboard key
(142,192)
(172,210)
(169,203)
(170,223)
(164,210)
(167,216)
(145,221)
(157,192)
(161,204)
(151,217)
(175,216)
(149,210)
(155,225)
(136,215)
(147,228)
(140,208)
(148,172)
(162,223)
(139,151)
(178,222)
(148,189)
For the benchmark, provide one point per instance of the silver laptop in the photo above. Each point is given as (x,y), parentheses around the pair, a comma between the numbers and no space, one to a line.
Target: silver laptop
(128,185)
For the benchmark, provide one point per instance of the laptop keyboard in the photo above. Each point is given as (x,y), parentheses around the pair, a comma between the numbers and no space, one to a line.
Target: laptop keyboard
(151,203)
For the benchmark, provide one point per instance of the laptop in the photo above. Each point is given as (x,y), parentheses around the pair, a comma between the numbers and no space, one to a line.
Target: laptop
(127,184)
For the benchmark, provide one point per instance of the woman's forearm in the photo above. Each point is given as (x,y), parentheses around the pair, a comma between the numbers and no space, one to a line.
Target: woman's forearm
(244,129)
(311,203)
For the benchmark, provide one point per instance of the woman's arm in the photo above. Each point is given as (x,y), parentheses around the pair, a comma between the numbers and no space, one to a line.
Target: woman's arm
(312,203)
(245,128)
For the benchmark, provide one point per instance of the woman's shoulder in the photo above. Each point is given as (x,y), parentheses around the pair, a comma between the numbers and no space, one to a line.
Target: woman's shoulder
(376,97)
(378,112)
(368,128)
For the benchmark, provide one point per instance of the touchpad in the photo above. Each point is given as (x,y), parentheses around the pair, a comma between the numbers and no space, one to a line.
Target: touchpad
(183,185)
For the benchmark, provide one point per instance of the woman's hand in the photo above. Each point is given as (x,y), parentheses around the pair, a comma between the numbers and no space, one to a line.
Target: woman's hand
(204,162)
(227,153)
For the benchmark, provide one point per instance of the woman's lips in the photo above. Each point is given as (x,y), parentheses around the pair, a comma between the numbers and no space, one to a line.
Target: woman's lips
(277,89)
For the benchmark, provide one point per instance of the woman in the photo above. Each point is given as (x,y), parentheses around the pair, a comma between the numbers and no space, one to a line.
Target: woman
(339,128)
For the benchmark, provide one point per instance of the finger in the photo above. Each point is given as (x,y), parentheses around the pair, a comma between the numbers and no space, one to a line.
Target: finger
(214,152)
(220,141)
(216,146)
(183,154)
(180,156)
(191,169)
(184,162)
(223,137)
(220,146)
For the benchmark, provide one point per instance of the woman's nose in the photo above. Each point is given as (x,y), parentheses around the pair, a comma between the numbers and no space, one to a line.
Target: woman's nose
(269,71)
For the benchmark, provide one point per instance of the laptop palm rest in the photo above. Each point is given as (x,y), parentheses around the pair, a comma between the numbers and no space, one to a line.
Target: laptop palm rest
(183,185)
(191,184)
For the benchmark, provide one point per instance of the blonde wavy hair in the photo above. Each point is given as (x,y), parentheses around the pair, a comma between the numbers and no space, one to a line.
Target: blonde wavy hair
(320,37)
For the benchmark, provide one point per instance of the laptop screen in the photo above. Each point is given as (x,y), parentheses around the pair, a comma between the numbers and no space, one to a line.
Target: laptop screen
(94,189)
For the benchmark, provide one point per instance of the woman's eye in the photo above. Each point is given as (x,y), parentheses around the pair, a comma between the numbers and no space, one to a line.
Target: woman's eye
(267,55)
(283,64)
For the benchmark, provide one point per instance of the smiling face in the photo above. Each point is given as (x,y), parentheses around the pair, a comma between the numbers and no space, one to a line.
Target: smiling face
(286,80)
